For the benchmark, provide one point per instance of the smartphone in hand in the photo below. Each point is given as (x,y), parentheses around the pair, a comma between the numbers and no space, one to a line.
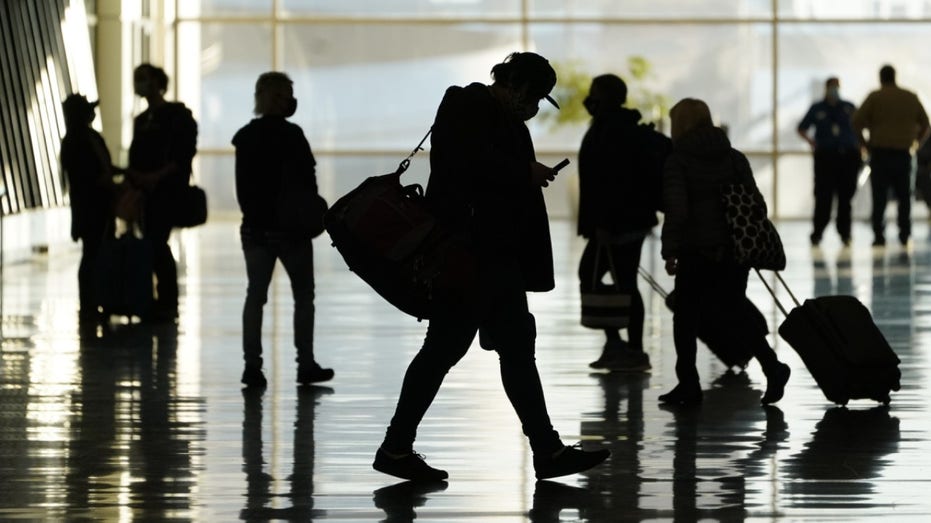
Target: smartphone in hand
(560,165)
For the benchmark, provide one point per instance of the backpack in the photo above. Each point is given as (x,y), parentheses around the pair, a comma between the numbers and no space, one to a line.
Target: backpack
(655,147)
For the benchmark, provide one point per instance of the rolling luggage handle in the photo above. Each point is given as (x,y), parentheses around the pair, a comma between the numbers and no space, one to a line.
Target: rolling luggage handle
(653,283)
(773,293)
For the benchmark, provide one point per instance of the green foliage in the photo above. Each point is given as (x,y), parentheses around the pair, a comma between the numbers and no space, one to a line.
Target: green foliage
(575,80)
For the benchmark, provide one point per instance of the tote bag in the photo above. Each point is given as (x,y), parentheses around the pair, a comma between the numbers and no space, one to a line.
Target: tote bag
(605,306)
(756,241)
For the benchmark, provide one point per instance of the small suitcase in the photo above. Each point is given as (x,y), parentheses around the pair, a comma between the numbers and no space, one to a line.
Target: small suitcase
(718,337)
(123,275)
(841,346)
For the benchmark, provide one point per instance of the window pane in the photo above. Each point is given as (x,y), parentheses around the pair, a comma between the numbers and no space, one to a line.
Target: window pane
(731,70)
(218,66)
(400,8)
(196,8)
(372,86)
(672,9)
(854,9)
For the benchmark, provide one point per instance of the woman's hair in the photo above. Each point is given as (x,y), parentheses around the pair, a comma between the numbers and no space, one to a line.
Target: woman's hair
(688,114)
(156,73)
(269,89)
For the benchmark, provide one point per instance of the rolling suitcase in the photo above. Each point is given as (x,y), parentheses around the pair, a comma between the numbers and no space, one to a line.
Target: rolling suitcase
(717,336)
(841,346)
(123,275)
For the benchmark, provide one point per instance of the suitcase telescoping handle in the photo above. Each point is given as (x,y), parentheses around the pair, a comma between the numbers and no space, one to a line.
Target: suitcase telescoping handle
(653,283)
(773,293)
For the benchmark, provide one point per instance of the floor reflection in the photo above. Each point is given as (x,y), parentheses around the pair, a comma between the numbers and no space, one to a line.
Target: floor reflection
(123,422)
(837,468)
(133,438)
(260,485)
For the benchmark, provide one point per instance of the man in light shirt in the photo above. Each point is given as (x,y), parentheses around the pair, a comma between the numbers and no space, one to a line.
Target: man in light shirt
(895,118)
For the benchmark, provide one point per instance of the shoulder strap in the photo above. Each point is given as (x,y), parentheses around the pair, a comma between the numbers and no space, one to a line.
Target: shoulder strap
(405,163)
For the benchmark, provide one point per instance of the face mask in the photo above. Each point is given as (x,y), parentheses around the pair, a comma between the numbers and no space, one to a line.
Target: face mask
(521,106)
(833,93)
(290,107)
(590,105)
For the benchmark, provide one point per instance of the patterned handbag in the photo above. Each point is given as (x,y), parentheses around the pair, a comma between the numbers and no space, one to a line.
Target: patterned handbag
(756,241)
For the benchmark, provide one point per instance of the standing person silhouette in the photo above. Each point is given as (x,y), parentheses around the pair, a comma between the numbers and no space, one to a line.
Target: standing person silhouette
(273,160)
(837,160)
(894,118)
(698,249)
(86,161)
(163,147)
(485,180)
(619,172)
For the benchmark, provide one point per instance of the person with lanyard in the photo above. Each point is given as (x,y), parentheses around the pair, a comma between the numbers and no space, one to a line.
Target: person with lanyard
(837,159)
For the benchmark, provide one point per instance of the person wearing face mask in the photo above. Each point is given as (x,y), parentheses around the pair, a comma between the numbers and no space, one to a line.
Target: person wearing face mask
(485,181)
(160,156)
(836,157)
(619,185)
(276,171)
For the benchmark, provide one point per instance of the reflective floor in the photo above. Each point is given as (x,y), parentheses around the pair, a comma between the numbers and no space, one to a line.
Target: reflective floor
(142,422)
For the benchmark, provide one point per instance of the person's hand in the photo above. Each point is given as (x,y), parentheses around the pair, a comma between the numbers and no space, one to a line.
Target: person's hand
(671,266)
(541,174)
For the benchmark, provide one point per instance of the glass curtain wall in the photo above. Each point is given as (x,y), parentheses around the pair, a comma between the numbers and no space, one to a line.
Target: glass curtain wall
(369,75)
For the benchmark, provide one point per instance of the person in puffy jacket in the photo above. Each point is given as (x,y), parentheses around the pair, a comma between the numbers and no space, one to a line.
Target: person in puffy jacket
(485,181)
(275,176)
(697,247)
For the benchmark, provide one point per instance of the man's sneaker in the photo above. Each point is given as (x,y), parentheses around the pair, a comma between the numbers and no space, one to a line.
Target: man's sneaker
(629,361)
(253,377)
(609,353)
(568,460)
(406,466)
(313,374)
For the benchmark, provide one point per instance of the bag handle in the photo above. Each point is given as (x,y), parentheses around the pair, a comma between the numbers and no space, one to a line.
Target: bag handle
(773,293)
(607,249)
(405,163)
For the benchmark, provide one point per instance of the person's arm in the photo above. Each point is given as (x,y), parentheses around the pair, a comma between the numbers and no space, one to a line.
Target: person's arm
(675,209)
(924,129)
(862,119)
(805,124)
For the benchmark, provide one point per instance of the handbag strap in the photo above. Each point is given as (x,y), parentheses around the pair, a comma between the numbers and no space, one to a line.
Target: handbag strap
(607,249)
(405,163)
(773,293)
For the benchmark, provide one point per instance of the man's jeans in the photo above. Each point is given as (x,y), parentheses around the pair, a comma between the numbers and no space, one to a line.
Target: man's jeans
(261,251)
